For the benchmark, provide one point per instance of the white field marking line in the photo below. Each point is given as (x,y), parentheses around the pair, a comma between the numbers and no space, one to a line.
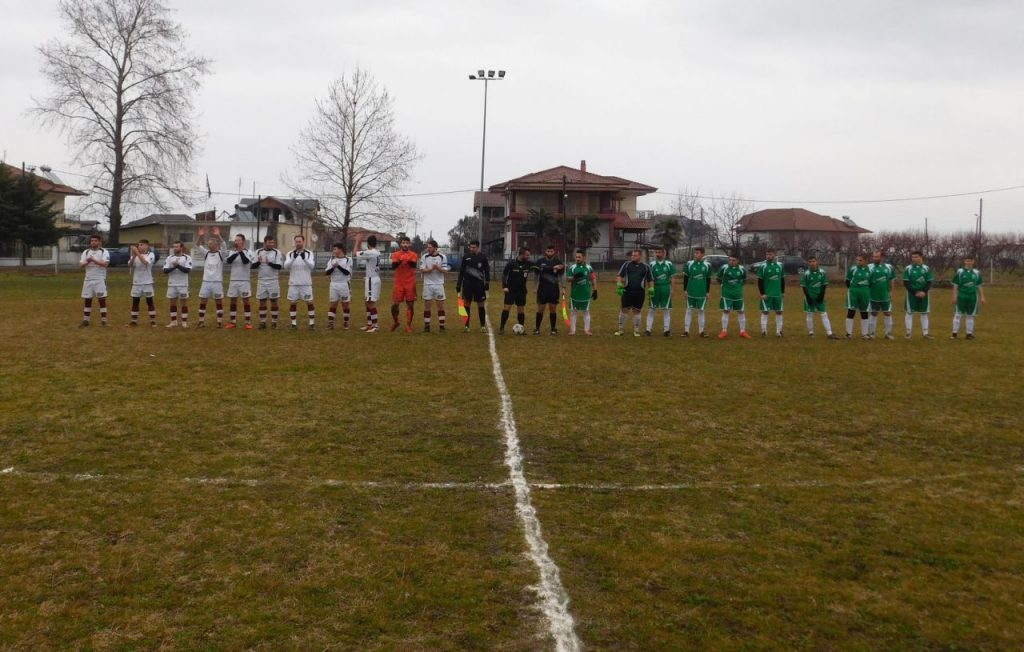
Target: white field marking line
(554,599)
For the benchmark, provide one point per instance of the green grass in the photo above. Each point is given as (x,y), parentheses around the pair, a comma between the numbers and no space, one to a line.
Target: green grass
(832,495)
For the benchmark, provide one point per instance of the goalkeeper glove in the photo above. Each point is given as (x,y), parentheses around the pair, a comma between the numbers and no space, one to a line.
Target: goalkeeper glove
(593,295)
(620,289)
(650,292)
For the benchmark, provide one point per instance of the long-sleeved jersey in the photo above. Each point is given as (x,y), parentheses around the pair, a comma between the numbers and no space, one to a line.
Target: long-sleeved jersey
(239,264)
(300,264)
(268,263)
(475,272)
(516,275)
(433,276)
(177,269)
(142,268)
(340,271)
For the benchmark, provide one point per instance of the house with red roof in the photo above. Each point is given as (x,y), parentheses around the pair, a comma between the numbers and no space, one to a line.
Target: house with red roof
(792,229)
(571,192)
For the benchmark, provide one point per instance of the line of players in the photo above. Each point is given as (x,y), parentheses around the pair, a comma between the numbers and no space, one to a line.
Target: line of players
(869,288)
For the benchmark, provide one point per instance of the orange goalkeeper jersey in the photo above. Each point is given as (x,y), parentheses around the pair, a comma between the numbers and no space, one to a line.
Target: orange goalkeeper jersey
(404,264)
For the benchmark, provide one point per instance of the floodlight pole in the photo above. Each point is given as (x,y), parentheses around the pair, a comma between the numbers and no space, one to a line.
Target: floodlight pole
(485,78)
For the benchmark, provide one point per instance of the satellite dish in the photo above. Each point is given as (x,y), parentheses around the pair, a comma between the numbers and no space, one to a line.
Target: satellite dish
(313,237)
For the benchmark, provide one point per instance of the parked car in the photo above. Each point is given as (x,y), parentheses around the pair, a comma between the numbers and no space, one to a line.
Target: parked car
(716,261)
(121,255)
(790,265)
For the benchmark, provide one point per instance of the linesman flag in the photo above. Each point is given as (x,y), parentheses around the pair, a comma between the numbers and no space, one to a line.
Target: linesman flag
(565,312)
(462,312)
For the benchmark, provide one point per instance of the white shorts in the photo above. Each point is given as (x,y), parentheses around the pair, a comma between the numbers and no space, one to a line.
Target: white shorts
(96,289)
(142,290)
(433,292)
(211,289)
(267,290)
(341,293)
(300,293)
(373,289)
(239,289)
(177,291)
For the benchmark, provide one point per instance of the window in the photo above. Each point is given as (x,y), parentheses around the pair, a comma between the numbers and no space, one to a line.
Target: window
(185,236)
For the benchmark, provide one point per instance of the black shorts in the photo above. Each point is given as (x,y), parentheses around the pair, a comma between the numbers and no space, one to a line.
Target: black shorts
(473,293)
(633,299)
(515,298)
(547,294)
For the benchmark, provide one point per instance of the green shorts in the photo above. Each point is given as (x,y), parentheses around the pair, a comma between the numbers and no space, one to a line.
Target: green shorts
(580,304)
(696,303)
(881,306)
(915,304)
(858,300)
(967,306)
(817,306)
(731,304)
(662,299)
(771,304)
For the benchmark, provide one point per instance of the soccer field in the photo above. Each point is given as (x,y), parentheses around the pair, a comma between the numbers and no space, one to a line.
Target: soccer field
(336,490)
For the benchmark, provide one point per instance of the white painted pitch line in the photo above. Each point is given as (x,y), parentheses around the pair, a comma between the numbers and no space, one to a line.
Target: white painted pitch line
(554,599)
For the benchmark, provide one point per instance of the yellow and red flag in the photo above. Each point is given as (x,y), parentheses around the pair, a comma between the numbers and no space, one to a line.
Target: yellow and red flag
(462,312)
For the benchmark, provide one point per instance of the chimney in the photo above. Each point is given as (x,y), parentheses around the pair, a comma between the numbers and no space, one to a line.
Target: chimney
(583,166)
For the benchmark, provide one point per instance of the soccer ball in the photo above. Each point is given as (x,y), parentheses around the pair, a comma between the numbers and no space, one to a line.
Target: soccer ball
(518,329)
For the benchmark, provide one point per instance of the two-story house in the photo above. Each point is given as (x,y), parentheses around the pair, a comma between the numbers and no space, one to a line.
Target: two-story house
(571,192)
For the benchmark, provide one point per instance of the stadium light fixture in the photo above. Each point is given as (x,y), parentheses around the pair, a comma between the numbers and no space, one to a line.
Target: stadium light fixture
(489,77)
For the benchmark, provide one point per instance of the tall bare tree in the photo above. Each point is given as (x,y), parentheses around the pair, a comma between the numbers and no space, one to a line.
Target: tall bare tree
(351,156)
(726,212)
(123,84)
(687,205)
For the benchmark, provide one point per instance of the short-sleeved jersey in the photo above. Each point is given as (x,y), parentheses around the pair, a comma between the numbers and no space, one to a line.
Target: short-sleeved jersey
(814,281)
(882,275)
(371,257)
(176,267)
(859,277)
(94,272)
(918,276)
(340,271)
(239,262)
(580,275)
(967,282)
(663,271)
(516,274)
(213,264)
(636,275)
(300,264)
(433,276)
(142,268)
(264,262)
(547,275)
(405,263)
(698,279)
(771,276)
(732,280)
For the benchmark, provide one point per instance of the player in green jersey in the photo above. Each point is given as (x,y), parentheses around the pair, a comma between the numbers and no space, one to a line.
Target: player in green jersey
(582,290)
(968,295)
(814,282)
(858,296)
(917,279)
(883,280)
(664,272)
(732,277)
(697,286)
(771,285)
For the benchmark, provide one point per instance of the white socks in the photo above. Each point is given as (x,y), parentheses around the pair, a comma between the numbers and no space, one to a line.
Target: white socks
(725,321)
(826,323)
(586,321)
(743,321)
(810,322)
(764,322)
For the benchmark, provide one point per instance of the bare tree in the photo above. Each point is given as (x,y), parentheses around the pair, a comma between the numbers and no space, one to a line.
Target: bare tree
(351,156)
(123,85)
(726,212)
(687,206)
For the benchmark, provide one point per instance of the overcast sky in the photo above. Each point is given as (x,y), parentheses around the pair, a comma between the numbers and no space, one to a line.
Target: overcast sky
(790,100)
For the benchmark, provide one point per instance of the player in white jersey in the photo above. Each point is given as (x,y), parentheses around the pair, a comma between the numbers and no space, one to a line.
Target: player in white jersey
(339,270)
(434,265)
(268,265)
(371,258)
(300,263)
(177,267)
(239,285)
(94,261)
(141,266)
(214,258)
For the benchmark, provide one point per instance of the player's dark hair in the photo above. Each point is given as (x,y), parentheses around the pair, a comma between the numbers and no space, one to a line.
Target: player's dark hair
(240,235)
(431,243)
(95,237)
(550,246)
(660,248)
(916,253)
(969,257)
(700,249)
(372,241)
(864,256)
(339,245)
(734,254)
(178,242)
(268,238)
(810,258)
(771,251)
(581,250)
(404,238)
(524,250)
(474,242)
(297,236)
(143,241)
